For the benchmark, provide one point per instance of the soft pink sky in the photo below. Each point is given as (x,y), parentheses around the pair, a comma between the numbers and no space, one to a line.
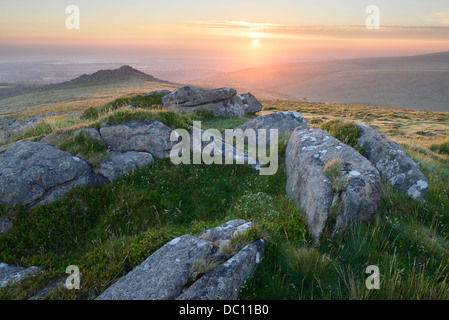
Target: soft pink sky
(286,30)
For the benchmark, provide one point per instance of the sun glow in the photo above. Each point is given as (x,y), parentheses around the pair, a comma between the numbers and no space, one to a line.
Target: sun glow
(255,43)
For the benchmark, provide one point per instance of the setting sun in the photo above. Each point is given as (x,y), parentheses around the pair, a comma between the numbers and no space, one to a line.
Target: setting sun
(256,43)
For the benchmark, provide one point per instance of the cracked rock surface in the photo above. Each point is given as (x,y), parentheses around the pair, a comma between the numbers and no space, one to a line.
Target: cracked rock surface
(308,152)
(392,161)
(34,173)
(166,273)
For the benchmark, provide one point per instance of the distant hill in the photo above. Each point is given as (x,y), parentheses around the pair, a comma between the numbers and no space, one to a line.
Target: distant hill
(81,92)
(124,73)
(415,82)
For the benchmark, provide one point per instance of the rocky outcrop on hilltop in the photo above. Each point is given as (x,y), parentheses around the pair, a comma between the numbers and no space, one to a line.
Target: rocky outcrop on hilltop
(35,173)
(222,102)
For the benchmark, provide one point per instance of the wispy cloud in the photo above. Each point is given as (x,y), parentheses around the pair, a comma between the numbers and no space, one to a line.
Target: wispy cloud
(235,24)
(271,30)
(440,17)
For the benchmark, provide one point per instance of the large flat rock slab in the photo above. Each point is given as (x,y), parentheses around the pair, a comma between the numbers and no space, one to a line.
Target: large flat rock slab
(119,164)
(36,173)
(10,274)
(174,271)
(222,102)
(188,96)
(162,275)
(152,137)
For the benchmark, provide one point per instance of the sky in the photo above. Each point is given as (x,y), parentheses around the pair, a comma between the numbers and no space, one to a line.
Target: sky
(234,33)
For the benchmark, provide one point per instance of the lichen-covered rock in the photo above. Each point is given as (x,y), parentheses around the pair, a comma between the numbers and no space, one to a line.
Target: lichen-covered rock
(162,275)
(232,107)
(221,236)
(162,92)
(197,144)
(358,195)
(284,122)
(222,102)
(250,103)
(10,274)
(167,274)
(152,137)
(188,96)
(225,231)
(43,293)
(392,161)
(34,173)
(91,133)
(120,164)
(89,179)
(225,281)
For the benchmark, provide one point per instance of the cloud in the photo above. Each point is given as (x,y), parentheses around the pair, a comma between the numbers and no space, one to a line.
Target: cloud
(234,24)
(271,30)
(440,17)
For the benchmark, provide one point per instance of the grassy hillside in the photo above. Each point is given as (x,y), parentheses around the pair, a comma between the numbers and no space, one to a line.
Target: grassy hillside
(109,230)
(78,94)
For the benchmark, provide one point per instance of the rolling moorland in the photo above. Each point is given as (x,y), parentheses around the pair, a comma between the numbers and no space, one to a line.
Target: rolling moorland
(412,81)
(109,230)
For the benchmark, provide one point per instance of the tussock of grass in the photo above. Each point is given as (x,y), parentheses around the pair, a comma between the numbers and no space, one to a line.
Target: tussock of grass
(240,240)
(170,118)
(138,101)
(85,148)
(90,114)
(440,147)
(345,131)
(198,268)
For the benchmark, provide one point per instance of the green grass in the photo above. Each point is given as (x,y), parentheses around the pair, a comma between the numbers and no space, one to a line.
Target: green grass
(170,118)
(138,101)
(109,230)
(345,131)
(84,147)
(440,147)
(90,114)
